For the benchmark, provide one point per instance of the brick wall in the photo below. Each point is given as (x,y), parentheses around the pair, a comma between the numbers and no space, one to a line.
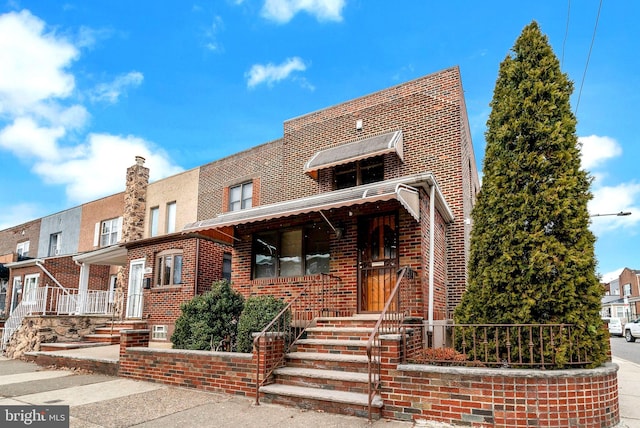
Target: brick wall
(431,114)
(495,397)
(201,266)
(344,256)
(11,237)
(228,372)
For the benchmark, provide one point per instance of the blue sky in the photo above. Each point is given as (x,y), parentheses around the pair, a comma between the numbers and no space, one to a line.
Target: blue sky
(87,85)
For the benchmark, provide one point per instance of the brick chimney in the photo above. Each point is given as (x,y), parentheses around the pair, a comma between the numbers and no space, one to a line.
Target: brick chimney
(135,201)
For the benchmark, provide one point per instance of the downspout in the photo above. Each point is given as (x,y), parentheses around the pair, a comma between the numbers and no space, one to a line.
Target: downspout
(197,273)
(432,228)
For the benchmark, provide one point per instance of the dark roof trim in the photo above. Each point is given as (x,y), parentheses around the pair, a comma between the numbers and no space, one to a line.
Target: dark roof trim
(390,142)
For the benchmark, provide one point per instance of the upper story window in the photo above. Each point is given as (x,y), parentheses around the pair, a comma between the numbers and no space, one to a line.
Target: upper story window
(54,244)
(110,232)
(359,172)
(171,217)
(626,289)
(291,252)
(154,218)
(23,249)
(169,268)
(241,196)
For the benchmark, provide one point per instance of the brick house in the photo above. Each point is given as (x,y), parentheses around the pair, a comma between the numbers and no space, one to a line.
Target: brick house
(357,191)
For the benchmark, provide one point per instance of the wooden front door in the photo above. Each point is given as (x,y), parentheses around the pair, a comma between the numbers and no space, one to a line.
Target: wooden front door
(378,260)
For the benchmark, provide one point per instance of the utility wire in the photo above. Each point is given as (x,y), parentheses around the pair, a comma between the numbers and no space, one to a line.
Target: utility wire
(566,33)
(588,57)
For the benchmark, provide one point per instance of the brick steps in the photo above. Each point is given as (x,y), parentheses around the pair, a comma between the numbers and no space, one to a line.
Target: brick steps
(63,346)
(331,401)
(328,369)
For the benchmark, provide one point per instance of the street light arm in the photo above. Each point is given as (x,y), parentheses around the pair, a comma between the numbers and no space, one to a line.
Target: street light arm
(620,214)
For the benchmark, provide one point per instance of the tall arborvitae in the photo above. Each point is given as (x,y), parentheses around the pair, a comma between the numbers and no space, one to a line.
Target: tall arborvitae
(532,253)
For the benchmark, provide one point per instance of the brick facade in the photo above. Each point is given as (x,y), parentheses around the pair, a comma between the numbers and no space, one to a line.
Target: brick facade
(202,266)
(431,114)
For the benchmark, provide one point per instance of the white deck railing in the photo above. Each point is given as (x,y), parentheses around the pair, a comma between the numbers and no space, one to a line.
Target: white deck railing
(57,301)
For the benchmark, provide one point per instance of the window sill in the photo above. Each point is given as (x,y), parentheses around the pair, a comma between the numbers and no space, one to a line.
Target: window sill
(162,288)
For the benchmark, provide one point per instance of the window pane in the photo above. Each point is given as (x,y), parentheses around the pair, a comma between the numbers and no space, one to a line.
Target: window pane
(226,266)
(345,176)
(317,250)
(177,269)
(155,212)
(291,253)
(235,196)
(372,170)
(247,195)
(265,250)
(171,217)
(166,270)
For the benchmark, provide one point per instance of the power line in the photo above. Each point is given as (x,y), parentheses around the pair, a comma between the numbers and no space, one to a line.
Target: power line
(584,75)
(566,33)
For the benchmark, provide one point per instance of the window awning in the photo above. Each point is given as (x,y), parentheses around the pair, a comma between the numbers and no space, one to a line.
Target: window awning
(361,149)
(402,189)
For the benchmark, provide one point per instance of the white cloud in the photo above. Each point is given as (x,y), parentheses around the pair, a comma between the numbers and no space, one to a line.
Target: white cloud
(26,139)
(613,199)
(98,168)
(211,34)
(34,63)
(40,117)
(596,150)
(271,73)
(110,92)
(282,11)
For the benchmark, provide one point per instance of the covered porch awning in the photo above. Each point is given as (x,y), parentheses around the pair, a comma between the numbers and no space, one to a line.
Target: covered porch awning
(404,190)
(390,142)
(113,255)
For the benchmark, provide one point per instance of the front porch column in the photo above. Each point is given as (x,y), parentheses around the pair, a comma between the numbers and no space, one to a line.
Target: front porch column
(83,287)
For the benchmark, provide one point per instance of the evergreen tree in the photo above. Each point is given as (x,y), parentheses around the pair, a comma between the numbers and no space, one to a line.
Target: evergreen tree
(532,253)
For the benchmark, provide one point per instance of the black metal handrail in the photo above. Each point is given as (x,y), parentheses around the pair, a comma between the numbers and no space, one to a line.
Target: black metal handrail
(317,298)
(390,321)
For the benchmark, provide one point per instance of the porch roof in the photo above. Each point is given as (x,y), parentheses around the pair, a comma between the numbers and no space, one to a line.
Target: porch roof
(401,189)
(112,255)
(360,149)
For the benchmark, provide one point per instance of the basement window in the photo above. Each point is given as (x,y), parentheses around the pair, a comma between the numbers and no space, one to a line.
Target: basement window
(159,332)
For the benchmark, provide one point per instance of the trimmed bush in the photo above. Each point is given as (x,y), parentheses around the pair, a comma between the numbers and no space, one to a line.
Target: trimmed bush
(258,312)
(209,321)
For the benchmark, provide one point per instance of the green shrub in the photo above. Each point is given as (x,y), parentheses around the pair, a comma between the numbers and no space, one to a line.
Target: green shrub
(209,321)
(258,312)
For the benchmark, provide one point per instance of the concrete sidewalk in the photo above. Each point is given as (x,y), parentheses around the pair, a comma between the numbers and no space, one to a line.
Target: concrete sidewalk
(629,392)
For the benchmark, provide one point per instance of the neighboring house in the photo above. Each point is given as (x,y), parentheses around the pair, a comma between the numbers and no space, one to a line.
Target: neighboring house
(622,296)
(16,243)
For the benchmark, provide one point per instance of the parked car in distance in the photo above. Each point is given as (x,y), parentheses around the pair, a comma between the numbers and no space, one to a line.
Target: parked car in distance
(632,330)
(616,327)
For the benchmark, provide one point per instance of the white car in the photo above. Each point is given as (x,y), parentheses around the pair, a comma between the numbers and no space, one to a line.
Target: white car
(632,330)
(616,327)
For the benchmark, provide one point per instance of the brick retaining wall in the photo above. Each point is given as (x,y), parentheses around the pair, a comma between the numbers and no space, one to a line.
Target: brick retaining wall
(490,397)
(228,372)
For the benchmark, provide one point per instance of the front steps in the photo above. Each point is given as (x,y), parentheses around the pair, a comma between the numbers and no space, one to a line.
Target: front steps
(105,335)
(327,370)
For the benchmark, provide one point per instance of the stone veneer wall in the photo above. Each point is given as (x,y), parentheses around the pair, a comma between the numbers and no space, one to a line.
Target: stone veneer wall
(51,329)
